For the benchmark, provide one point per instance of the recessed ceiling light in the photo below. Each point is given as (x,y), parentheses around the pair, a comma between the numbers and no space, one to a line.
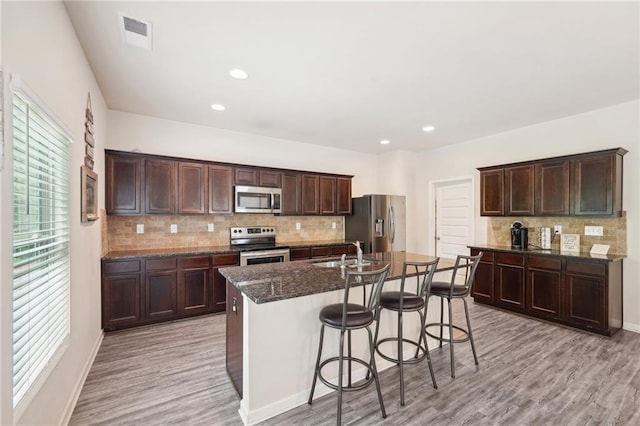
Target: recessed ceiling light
(428,128)
(385,142)
(238,74)
(218,107)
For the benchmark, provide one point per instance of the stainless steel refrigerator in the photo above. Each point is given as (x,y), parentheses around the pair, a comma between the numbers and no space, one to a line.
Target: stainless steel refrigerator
(379,222)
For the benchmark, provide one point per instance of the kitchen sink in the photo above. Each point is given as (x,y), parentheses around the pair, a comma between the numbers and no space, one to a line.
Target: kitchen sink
(350,263)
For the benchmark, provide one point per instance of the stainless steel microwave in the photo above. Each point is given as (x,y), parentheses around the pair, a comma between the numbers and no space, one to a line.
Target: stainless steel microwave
(256,199)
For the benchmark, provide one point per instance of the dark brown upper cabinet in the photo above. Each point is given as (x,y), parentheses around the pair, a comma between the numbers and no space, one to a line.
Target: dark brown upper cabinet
(597,185)
(124,184)
(291,194)
(588,184)
(552,188)
(160,186)
(246,176)
(139,184)
(492,192)
(192,188)
(310,194)
(518,189)
(327,195)
(253,176)
(270,179)
(220,189)
(343,201)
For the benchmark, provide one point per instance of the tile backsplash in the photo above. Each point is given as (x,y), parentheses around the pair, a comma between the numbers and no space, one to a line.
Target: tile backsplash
(614,235)
(192,230)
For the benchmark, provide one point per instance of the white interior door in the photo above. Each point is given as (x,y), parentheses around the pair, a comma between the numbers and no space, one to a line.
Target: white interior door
(453,218)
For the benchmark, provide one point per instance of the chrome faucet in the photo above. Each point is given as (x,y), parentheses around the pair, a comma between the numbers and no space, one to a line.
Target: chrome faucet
(357,244)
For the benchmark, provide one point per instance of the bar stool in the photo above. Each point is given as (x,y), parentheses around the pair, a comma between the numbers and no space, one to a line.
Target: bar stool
(451,290)
(346,317)
(400,302)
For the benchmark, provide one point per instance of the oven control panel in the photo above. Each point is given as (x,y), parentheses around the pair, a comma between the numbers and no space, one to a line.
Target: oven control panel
(253,231)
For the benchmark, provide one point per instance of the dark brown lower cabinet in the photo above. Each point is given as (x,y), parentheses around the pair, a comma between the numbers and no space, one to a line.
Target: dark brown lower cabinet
(146,290)
(583,292)
(483,281)
(219,303)
(509,280)
(544,286)
(161,288)
(234,336)
(194,284)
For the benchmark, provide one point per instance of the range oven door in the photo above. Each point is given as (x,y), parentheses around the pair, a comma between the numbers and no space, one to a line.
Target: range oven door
(264,256)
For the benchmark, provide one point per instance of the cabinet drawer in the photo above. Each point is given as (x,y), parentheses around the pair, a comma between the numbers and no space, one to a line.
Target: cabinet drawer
(487,256)
(161,264)
(300,253)
(339,250)
(510,259)
(320,251)
(121,266)
(194,262)
(587,268)
(225,259)
(545,263)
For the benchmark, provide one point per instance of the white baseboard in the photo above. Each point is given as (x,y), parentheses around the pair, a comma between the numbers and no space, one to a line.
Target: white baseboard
(629,326)
(80,383)
(266,412)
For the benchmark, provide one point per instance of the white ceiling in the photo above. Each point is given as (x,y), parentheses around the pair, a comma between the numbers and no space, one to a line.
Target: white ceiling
(350,74)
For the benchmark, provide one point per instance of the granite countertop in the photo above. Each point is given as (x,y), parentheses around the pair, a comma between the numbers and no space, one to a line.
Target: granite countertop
(194,251)
(610,257)
(278,281)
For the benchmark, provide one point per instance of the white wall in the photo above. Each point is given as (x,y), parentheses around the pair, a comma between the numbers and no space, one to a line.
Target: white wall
(616,126)
(39,44)
(157,136)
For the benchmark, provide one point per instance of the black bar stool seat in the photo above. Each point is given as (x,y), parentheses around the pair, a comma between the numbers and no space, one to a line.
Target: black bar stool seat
(357,316)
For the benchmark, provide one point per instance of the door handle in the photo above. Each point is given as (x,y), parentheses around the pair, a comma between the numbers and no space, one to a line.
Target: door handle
(392,225)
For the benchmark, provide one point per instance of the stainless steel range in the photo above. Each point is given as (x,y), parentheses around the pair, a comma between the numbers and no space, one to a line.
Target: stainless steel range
(257,244)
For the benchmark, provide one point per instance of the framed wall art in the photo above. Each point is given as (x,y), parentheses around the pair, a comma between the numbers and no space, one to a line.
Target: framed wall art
(89,195)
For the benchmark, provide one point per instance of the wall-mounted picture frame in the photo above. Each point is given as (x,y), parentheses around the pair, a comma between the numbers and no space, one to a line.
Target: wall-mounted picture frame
(570,243)
(89,195)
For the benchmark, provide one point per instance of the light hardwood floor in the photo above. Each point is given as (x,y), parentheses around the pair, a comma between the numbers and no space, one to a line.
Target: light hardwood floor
(530,372)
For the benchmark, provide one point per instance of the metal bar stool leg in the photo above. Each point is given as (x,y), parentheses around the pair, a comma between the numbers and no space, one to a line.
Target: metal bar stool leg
(473,347)
(349,355)
(400,356)
(453,367)
(315,374)
(441,318)
(423,335)
(374,371)
(340,360)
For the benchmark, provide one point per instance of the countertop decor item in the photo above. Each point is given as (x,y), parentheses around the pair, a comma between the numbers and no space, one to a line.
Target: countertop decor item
(570,243)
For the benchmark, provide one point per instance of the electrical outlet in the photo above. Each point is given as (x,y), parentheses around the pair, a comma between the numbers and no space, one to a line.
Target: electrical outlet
(173,228)
(297,226)
(333,225)
(210,227)
(557,229)
(140,228)
(593,230)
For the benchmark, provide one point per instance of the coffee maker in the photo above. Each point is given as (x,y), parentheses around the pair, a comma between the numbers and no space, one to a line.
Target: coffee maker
(519,235)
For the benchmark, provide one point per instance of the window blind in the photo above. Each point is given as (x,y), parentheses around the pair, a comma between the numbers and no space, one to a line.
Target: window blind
(41,279)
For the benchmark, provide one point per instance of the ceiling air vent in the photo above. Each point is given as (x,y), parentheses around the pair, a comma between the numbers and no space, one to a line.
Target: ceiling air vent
(136,32)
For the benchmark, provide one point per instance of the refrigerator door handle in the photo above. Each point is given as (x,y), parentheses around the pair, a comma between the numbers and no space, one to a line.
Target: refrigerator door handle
(392,225)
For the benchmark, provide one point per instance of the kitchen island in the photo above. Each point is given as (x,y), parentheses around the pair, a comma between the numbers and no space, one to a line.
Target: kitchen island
(273,328)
